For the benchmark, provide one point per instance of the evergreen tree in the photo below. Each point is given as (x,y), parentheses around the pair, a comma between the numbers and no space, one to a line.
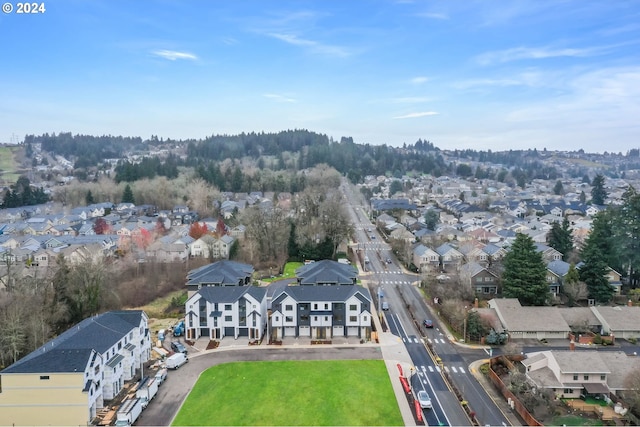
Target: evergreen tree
(89,198)
(602,236)
(626,234)
(560,238)
(524,275)
(558,189)
(583,197)
(293,250)
(593,272)
(431,219)
(598,193)
(127,195)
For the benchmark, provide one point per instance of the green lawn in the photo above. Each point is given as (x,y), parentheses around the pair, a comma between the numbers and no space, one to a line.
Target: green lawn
(8,167)
(289,272)
(574,420)
(292,393)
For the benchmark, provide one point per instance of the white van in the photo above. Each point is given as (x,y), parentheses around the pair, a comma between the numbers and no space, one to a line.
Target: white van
(161,375)
(176,360)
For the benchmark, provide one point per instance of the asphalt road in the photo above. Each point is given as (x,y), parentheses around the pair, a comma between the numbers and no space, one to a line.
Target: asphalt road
(179,383)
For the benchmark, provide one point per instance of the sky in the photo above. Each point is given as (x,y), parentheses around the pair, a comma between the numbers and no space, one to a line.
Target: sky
(484,75)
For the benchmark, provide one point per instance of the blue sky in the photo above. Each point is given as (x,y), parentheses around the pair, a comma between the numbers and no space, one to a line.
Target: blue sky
(561,75)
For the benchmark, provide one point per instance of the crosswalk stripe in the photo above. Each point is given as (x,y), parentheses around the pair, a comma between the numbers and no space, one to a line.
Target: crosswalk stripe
(438,368)
(430,368)
(446,368)
(453,368)
(462,370)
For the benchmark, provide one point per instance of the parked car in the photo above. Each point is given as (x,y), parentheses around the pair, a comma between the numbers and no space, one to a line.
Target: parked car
(176,360)
(385,306)
(428,323)
(424,399)
(178,347)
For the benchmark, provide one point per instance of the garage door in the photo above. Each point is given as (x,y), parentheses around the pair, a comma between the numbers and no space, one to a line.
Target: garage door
(338,331)
(229,332)
(305,331)
(243,332)
(290,331)
(353,331)
(204,332)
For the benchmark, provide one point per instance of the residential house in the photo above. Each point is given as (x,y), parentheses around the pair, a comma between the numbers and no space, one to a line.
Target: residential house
(548,253)
(530,322)
(556,271)
(321,312)
(450,257)
(619,321)
(227,311)
(482,281)
(221,273)
(572,374)
(212,247)
(425,259)
(326,273)
(67,380)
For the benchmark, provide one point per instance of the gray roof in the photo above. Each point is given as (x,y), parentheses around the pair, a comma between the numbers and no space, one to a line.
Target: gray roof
(97,333)
(231,294)
(516,318)
(323,293)
(222,272)
(620,318)
(326,271)
(558,267)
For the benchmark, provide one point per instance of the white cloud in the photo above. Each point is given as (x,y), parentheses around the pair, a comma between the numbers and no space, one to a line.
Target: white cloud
(519,53)
(173,55)
(434,15)
(278,98)
(317,47)
(419,80)
(410,100)
(416,115)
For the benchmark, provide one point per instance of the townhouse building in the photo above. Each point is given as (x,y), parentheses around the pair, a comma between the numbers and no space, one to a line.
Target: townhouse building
(67,380)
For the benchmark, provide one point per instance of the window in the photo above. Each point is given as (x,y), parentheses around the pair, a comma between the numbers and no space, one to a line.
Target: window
(44,377)
(315,306)
(353,307)
(586,377)
(277,318)
(603,377)
(227,306)
(567,391)
(353,318)
(326,318)
(575,378)
(315,318)
(326,306)
(228,318)
(288,319)
(288,307)
(365,318)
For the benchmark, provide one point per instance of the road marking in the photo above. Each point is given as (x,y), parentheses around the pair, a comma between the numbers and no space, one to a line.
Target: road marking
(430,368)
(438,369)
(462,370)
(416,340)
(453,368)
(446,368)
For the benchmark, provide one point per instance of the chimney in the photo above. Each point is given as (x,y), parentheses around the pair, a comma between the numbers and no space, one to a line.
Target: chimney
(629,303)
(572,345)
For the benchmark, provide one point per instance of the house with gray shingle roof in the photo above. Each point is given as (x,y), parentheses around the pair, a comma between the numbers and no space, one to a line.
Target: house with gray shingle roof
(322,312)
(571,374)
(620,321)
(481,280)
(221,273)
(530,322)
(326,273)
(556,271)
(227,311)
(70,377)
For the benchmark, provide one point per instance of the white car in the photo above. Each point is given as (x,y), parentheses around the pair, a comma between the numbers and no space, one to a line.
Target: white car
(424,399)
